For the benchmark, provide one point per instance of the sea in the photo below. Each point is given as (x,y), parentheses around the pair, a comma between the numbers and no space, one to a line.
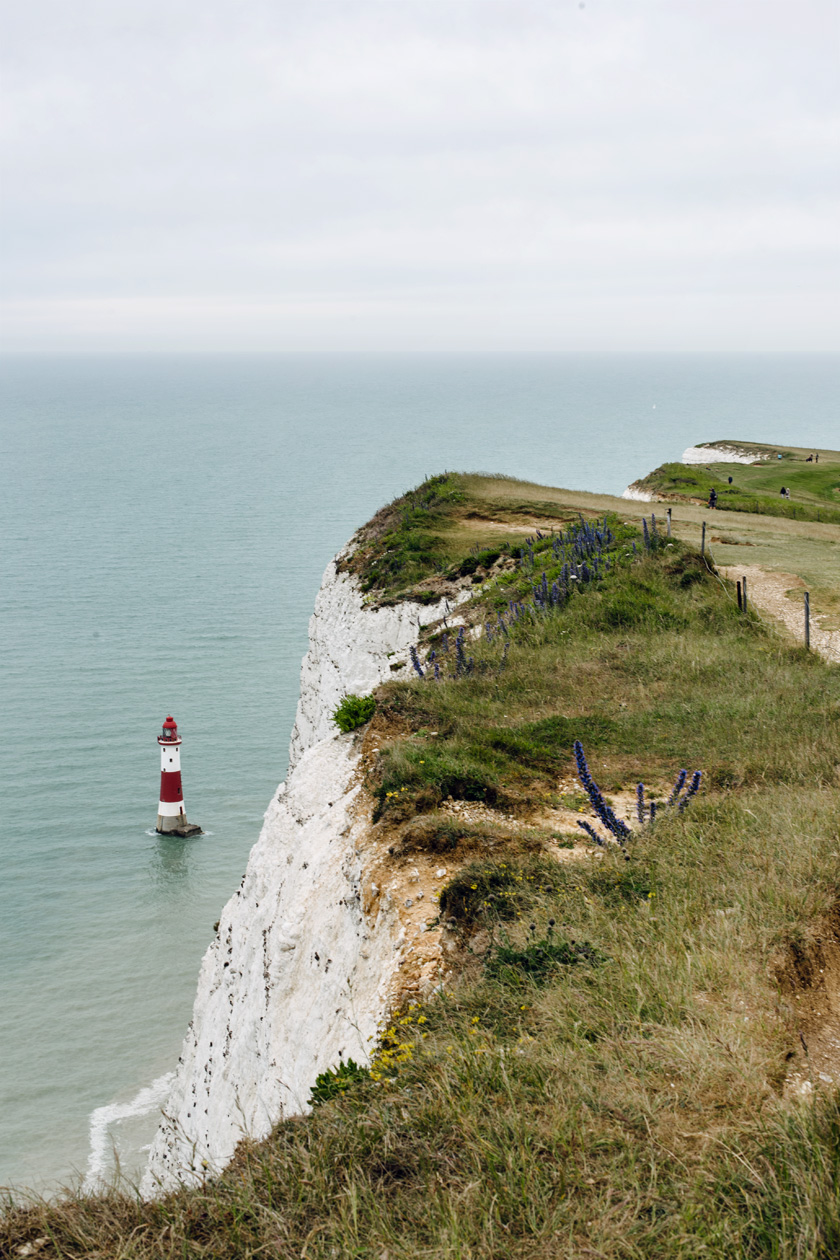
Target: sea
(164,524)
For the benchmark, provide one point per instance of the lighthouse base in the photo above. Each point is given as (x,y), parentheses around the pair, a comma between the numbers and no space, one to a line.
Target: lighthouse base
(176,825)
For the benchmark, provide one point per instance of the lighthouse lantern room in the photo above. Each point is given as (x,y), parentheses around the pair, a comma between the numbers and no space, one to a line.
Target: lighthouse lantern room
(172,817)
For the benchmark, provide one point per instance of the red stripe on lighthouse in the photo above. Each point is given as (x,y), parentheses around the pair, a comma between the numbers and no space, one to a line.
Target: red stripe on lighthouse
(170,786)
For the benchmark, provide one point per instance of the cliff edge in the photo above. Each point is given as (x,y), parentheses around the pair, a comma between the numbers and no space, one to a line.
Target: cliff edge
(300,974)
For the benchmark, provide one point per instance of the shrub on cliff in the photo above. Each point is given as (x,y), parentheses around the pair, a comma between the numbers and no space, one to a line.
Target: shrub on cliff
(336,1081)
(354,711)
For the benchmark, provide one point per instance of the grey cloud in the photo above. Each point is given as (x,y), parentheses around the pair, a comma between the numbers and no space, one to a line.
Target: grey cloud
(358,173)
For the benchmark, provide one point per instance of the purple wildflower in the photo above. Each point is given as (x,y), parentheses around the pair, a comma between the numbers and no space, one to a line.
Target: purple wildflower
(607,816)
(587,827)
(678,786)
(460,655)
(692,790)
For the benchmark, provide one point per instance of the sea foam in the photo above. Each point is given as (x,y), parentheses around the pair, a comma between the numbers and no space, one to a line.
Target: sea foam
(145,1101)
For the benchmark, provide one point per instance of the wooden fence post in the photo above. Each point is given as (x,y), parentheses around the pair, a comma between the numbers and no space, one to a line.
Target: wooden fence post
(807,620)
(669,522)
(703,540)
(740,605)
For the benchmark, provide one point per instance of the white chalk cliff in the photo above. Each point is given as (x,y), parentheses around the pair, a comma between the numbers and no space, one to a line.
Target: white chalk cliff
(352,648)
(721,453)
(300,973)
(642,496)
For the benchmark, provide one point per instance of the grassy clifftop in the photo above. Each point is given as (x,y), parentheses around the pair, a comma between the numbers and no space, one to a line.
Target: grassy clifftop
(635,1056)
(451,526)
(814,486)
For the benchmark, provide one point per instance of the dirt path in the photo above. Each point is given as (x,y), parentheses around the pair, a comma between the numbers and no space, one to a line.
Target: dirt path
(809,978)
(769,592)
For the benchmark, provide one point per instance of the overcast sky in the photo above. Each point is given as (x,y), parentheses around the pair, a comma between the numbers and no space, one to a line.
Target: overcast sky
(420,174)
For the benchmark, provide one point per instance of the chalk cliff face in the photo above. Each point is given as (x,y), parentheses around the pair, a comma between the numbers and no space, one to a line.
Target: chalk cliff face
(300,974)
(634,491)
(352,648)
(721,453)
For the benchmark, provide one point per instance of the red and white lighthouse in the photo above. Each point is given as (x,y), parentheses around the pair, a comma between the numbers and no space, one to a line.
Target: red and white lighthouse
(172,817)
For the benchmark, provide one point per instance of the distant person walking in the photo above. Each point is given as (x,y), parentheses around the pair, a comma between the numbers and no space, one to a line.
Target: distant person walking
(712,498)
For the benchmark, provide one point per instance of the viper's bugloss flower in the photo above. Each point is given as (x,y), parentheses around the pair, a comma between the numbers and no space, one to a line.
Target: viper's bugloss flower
(692,790)
(590,830)
(460,655)
(640,802)
(607,816)
(617,825)
(415,660)
(679,784)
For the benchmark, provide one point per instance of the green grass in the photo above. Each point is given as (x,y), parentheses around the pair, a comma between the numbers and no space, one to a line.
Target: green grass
(451,526)
(439,832)
(629,1108)
(421,535)
(814,488)
(623,1097)
(406,541)
(652,670)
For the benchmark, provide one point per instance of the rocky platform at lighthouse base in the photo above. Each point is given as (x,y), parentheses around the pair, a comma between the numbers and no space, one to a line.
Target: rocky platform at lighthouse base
(177,827)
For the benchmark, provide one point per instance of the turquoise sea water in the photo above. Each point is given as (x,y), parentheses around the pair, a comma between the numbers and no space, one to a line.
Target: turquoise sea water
(165,522)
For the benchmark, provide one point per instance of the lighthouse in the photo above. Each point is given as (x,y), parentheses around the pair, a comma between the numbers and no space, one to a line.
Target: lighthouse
(172,817)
